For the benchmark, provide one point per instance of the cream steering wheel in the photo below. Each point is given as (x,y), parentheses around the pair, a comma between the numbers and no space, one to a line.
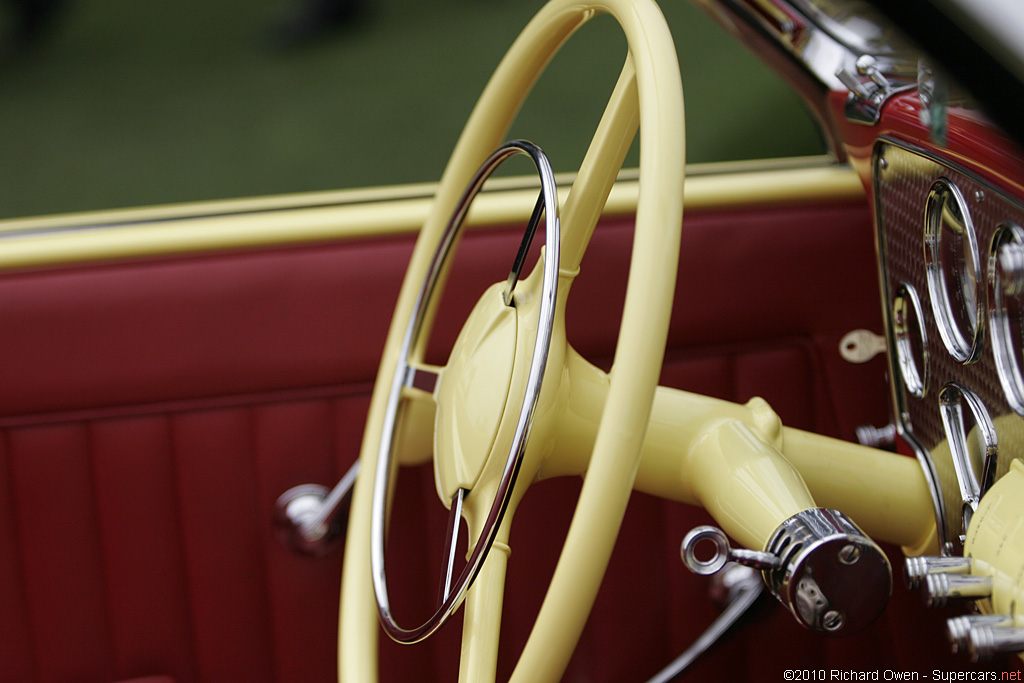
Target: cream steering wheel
(570,435)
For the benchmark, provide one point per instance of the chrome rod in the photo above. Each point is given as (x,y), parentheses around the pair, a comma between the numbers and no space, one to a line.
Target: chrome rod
(744,595)
(451,544)
(524,249)
(310,519)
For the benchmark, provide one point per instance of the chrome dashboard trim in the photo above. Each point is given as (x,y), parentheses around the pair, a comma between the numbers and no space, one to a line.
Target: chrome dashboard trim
(911,341)
(953,279)
(1006,265)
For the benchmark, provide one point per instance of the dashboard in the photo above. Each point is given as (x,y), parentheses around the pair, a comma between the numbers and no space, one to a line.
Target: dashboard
(947,191)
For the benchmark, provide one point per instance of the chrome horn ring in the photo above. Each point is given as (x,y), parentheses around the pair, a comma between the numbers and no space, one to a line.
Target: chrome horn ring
(547,205)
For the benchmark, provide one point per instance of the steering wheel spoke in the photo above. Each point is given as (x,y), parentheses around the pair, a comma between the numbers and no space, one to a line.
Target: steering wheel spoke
(601,165)
(481,627)
(422,376)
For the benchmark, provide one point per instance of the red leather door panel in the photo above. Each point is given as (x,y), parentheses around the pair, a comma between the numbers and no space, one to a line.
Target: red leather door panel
(151,413)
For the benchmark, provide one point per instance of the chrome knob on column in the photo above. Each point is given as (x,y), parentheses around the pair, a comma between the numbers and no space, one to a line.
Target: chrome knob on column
(959,628)
(985,642)
(919,568)
(818,563)
(941,588)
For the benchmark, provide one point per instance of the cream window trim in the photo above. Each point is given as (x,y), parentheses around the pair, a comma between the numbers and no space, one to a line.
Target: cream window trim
(373,212)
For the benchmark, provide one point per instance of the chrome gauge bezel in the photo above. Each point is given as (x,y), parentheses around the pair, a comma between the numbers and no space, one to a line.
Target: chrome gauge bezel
(1006,310)
(953,274)
(911,339)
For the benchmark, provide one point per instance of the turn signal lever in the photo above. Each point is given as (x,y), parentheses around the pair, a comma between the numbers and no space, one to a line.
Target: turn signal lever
(831,576)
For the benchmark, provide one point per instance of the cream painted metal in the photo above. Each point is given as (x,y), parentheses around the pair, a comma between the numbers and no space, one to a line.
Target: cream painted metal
(995,542)
(353,214)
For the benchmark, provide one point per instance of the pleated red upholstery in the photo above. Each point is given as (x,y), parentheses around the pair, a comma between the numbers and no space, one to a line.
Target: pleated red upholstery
(151,413)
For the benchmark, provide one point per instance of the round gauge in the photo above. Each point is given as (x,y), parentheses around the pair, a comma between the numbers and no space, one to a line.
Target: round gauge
(911,342)
(1006,311)
(953,270)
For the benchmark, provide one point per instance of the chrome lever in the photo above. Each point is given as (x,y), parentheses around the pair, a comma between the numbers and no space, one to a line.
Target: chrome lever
(941,589)
(310,519)
(723,553)
(918,569)
(959,628)
(985,642)
(831,577)
(743,586)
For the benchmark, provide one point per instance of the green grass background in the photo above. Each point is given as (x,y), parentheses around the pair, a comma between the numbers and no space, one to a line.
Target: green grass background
(136,102)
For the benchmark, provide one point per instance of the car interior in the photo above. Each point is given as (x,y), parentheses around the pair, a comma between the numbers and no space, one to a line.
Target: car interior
(172,372)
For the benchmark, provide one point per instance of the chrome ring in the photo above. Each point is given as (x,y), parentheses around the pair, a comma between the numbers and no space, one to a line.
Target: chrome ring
(1005,270)
(910,337)
(697,536)
(957,305)
(403,372)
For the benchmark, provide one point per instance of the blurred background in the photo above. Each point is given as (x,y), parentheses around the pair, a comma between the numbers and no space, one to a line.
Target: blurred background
(117,103)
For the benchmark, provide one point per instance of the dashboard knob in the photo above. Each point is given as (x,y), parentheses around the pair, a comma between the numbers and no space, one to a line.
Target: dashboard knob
(918,568)
(960,627)
(985,642)
(941,588)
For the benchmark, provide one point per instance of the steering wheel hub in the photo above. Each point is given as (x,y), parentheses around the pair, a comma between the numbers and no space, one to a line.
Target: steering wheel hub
(472,392)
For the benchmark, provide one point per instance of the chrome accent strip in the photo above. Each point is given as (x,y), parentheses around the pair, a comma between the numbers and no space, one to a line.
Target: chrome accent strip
(538,364)
(451,544)
(524,248)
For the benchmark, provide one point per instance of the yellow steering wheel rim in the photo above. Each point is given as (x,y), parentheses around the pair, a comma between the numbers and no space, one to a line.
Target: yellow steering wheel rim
(650,87)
